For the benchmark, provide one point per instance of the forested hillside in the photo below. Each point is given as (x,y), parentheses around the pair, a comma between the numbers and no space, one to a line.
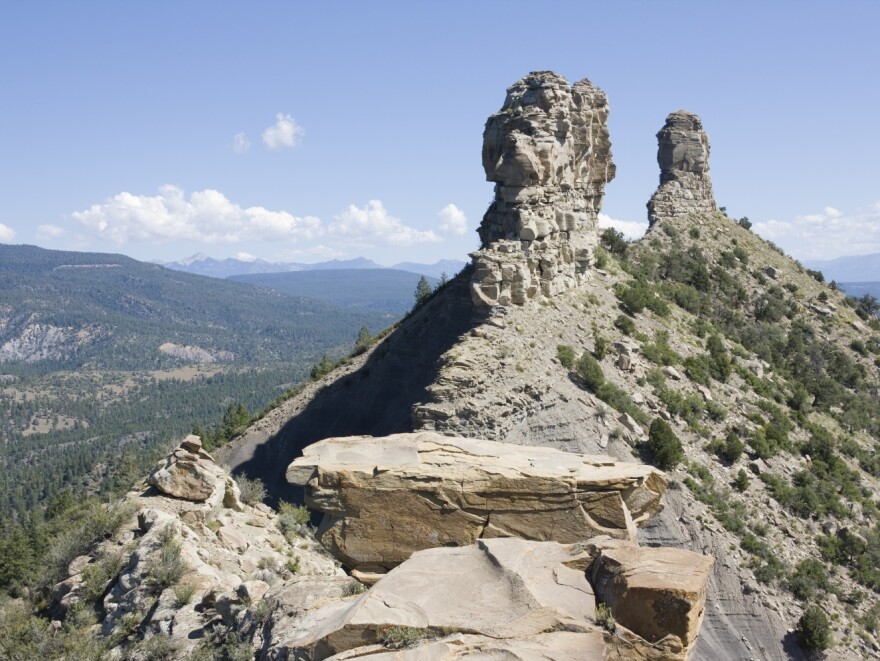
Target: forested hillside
(105,360)
(68,309)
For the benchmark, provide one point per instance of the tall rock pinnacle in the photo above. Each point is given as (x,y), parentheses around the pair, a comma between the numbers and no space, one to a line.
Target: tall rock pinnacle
(683,155)
(549,154)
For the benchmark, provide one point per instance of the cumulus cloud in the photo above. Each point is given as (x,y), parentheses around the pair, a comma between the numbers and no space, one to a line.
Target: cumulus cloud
(6,234)
(373,225)
(240,143)
(452,220)
(285,133)
(319,252)
(206,216)
(49,232)
(631,229)
(825,235)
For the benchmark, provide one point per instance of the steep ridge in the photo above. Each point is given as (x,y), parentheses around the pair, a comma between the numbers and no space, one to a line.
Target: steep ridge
(373,395)
(753,361)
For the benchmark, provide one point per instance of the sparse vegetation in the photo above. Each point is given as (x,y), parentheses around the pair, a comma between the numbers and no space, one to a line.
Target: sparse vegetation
(590,372)
(605,618)
(292,518)
(664,446)
(625,325)
(566,355)
(814,629)
(741,482)
(183,593)
(253,491)
(167,565)
(400,637)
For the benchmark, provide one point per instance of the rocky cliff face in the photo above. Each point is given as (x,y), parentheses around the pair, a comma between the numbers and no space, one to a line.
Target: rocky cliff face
(549,154)
(683,156)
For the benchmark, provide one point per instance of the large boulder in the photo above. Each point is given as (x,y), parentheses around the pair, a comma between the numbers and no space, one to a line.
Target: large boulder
(655,592)
(188,472)
(385,498)
(549,154)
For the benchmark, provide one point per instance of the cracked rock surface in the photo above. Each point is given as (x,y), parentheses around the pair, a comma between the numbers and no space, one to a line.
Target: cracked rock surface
(683,156)
(385,498)
(549,154)
(503,598)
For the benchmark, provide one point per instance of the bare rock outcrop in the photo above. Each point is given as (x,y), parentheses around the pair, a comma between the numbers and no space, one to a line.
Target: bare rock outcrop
(385,498)
(654,592)
(220,552)
(683,156)
(500,596)
(188,472)
(549,154)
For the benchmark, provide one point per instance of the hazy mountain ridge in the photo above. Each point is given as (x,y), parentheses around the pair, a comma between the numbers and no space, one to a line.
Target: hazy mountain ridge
(350,289)
(202,264)
(849,268)
(111,311)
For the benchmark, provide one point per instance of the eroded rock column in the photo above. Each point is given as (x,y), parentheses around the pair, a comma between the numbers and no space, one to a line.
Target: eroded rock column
(549,154)
(683,155)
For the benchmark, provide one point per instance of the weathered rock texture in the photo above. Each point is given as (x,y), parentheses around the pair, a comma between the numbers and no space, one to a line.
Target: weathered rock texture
(499,595)
(230,552)
(385,498)
(654,592)
(683,156)
(549,154)
(189,472)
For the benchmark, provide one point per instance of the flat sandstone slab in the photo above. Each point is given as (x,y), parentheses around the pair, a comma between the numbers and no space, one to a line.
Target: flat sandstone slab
(506,589)
(386,498)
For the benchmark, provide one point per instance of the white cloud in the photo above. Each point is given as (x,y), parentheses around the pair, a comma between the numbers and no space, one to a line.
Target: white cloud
(452,220)
(45,232)
(373,224)
(240,143)
(206,216)
(6,234)
(284,133)
(319,252)
(826,235)
(631,229)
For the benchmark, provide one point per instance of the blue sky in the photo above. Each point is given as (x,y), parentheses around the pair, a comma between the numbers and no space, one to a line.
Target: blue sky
(307,131)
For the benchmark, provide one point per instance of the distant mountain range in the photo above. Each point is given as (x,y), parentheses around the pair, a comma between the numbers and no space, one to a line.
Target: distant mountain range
(70,309)
(375,289)
(202,264)
(859,289)
(850,268)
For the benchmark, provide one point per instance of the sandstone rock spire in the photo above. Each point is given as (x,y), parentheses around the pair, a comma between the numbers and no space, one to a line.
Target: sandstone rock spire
(549,154)
(683,155)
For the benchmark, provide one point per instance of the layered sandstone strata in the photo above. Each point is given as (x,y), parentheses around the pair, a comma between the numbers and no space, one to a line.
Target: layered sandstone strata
(549,154)
(385,498)
(683,156)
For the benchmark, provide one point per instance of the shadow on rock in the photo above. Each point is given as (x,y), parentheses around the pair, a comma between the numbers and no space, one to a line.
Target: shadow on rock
(375,400)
